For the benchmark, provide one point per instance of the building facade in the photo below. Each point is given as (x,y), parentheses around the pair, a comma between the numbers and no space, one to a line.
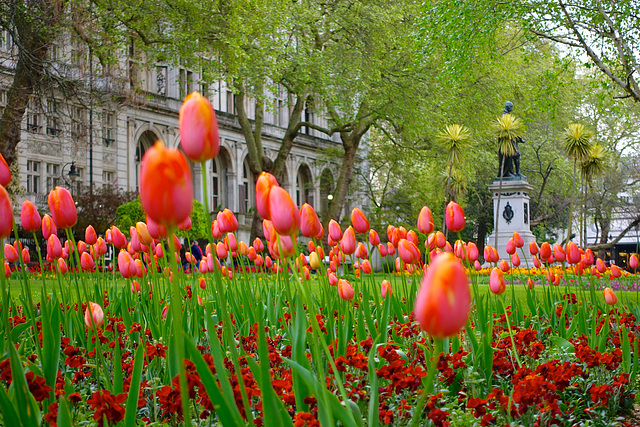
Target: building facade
(102,124)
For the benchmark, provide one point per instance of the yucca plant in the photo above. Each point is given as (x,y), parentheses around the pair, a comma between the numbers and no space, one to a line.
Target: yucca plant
(455,139)
(507,128)
(577,142)
(591,166)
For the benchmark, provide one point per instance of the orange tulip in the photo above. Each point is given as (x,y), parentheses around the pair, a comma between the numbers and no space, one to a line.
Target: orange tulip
(93,315)
(335,232)
(310,225)
(515,260)
(425,221)
(545,251)
(62,207)
(135,287)
(62,266)
(285,216)
(517,240)
(227,221)
(30,217)
(600,266)
(86,262)
(536,262)
(26,257)
(6,214)
(530,283)
(100,246)
(408,251)
(199,137)
(504,265)
(385,288)
(5,172)
(444,299)
(454,217)
(374,239)
(441,241)
(142,231)
(633,261)
(366,266)
(615,271)
(10,253)
(559,253)
(166,187)
(54,248)
(610,296)
(533,248)
(588,257)
(361,251)
(383,250)
(264,184)
(497,284)
(48,226)
(359,221)
(258,245)
(573,253)
(391,250)
(345,290)
(221,250)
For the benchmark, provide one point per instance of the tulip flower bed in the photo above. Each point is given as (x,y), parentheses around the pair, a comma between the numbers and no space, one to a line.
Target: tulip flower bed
(294,342)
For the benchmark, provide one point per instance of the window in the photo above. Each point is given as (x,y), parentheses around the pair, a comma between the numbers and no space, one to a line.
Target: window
(161,81)
(53,119)
(33,177)
(189,83)
(6,41)
(245,189)
(3,99)
(231,105)
(109,128)
(33,120)
(77,122)
(107,178)
(79,181)
(53,176)
(182,84)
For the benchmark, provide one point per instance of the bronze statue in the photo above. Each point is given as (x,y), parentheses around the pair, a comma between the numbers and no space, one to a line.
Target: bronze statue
(511,169)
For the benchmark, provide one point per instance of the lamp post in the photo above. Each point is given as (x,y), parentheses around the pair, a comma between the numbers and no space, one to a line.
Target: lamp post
(72,175)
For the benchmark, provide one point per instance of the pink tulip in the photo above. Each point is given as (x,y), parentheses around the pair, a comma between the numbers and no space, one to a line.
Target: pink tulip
(359,221)
(310,225)
(26,256)
(348,242)
(472,252)
(454,217)
(383,250)
(511,247)
(633,261)
(345,290)
(385,288)
(10,253)
(54,248)
(335,232)
(90,235)
(573,255)
(227,221)
(497,284)
(285,216)
(517,240)
(199,136)
(62,266)
(93,315)
(408,251)
(62,207)
(264,184)
(30,217)
(610,296)
(533,248)
(559,253)
(48,226)
(615,271)
(374,239)
(515,260)
(425,221)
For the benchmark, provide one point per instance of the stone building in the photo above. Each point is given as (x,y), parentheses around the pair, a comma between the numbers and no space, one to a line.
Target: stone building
(102,134)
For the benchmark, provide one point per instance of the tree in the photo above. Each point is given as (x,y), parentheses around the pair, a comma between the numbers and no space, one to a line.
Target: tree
(32,25)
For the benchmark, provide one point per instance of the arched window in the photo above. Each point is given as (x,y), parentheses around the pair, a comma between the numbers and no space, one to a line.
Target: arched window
(215,186)
(146,140)
(304,186)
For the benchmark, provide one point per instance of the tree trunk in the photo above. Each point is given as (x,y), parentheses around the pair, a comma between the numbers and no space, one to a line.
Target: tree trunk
(35,26)
(342,185)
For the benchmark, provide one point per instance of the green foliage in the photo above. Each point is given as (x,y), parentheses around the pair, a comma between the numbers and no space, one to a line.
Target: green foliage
(199,222)
(577,141)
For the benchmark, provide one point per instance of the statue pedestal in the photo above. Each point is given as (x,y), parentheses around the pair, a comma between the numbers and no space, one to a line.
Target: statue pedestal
(512,214)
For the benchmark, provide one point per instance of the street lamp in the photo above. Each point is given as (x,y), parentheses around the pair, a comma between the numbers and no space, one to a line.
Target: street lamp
(72,175)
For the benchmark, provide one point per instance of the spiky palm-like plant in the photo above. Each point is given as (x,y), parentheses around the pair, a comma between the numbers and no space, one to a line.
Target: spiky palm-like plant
(577,142)
(507,128)
(455,139)
(593,165)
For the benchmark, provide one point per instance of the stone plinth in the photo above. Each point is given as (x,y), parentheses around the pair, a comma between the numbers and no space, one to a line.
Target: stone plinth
(512,214)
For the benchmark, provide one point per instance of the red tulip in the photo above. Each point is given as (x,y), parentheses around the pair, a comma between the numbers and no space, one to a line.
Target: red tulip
(460,250)
(100,246)
(545,251)
(166,186)
(62,207)
(454,217)
(348,242)
(227,221)
(359,221)
(345,290)
(533,248)
(333,279)
(264,184)
(361,251)
(26,257)
(285,216)
(93,315)
(444,299)
(425,221)
(118,239)
(504,265)
(511,247)
(126,265)
(588,257)
(5,172)
(258,245)
(86,262)
(441,242)
(366,266)
(310,225)
(391,250)
(221,250)
(573,253)
(536,262)
(62,266)
(374,239)
(390,229)
(600,266)
(29,217)
(633,260)
(385,288)
(497,284)
(610,296)
(472,252)
(156,230)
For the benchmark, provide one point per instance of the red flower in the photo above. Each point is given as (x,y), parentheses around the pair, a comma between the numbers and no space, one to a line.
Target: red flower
(107,405)
(38,387)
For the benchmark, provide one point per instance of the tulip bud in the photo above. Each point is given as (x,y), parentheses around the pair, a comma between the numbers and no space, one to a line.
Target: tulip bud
(530,283)
(359,221)
(90,235)
(199,137)
(408,251)
(425,221)
(142,232)
(517,240)
(511,247)
(335,232)
(30,217)
(454,217)
(472,252)
(361,251)
(600,266)
(615,271)
(54,248)
(93,315)
(385,288)
(348,242)
(333,279)
(285,216)
(573,253)
(444,300)
(264,184)
(310,225)
(497,284)
(62,266)
(366,266)
(633,261)
(610,296)
(62,207)
(588,257)
(545,251)
(515,260)
(504,265)
(345,290)
(26,257)
(374,239)
(10,253)
(383,250)
(559,253)
(533,248)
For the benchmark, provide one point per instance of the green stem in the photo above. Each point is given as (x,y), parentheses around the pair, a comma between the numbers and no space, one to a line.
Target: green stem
(428,383)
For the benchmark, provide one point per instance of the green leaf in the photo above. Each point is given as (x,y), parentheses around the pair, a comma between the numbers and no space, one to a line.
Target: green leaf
(563,344)
(64,415)
(134,389)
